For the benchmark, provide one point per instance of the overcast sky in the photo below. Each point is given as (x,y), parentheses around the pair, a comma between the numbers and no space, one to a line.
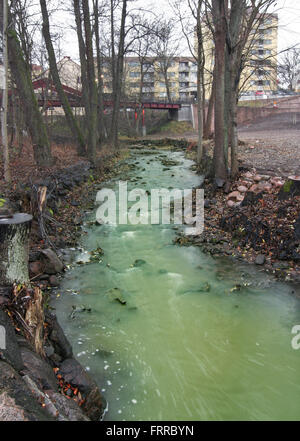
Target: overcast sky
(289,25)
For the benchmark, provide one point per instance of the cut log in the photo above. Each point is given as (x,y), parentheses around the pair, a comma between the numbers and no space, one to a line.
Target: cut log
(14,249)
(291,188)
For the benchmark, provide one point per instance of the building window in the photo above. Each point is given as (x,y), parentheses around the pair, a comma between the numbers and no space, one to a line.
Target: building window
(133,63)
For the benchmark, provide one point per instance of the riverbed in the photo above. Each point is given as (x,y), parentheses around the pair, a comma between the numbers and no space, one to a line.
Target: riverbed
(170,333)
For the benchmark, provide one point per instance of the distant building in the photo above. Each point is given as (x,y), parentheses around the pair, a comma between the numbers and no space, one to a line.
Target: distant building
(145,79)
(260,71)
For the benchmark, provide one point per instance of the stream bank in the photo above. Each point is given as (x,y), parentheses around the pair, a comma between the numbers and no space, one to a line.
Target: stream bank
(47,384)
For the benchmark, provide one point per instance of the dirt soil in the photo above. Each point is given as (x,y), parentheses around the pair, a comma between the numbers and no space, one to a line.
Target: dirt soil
(272,145)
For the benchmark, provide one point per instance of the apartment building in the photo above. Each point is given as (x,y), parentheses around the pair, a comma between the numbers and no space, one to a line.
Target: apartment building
(153,78)
(260,71)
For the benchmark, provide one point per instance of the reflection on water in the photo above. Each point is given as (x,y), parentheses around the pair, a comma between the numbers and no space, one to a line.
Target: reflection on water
(185,346)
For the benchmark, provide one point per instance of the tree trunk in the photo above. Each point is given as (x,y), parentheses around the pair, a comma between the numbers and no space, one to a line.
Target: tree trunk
(83,64)
(101,128)
(72,123)
(14,240)
(200,58)
(93,96)
(118,80)
(220,170)
(234,134)
(34,120)
(210,111)
(5,97)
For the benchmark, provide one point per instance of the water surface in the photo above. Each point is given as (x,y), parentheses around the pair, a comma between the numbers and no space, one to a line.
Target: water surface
(185,346)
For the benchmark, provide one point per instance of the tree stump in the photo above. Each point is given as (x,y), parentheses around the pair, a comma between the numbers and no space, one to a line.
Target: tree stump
(291,188)
(14,249)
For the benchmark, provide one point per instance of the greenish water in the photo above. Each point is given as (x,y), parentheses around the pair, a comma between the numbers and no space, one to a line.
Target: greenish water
(174,352)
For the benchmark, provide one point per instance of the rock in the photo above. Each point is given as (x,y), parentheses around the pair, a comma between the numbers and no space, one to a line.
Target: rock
(5,295)
(35,269)
(139,262)
(278,184)
(49,350)
(53,264)
(57,337)
(233,195)
(254,188)
(257,178)
(17,403)
(68,408)
(11,352)
(248,175)
(231,203)
(263,186)
(74,374)
(53,281)
(242,189)
(38,370)
(260,259)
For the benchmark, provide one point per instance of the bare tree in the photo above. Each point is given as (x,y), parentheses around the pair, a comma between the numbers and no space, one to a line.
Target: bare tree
(4,22)
(73,124)
(289,68)
(22,76)
(165,48)
(218,12)
(118,68)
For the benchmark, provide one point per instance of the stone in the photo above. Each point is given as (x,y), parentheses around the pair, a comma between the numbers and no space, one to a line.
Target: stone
(73,373)
(53,280)
(69,408)
(254,188)
(17,403)
(11,353)
(49,350)
(35,269)
(53,264)
(233,195)
(38,370)
(57,337)
(257,178)
(139,262)
(242,189)
(230,203)
(260,259)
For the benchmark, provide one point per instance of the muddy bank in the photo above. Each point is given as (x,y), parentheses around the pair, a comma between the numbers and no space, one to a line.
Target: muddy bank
(44,381)
(256,220)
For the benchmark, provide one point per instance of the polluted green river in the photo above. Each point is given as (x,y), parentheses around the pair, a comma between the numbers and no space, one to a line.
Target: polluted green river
(162,329)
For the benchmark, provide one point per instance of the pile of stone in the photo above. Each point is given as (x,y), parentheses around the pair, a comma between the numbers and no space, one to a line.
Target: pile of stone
(255,183)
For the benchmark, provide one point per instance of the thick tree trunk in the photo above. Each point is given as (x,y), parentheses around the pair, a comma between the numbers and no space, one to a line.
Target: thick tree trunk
(93,96)
(5,96)
(200,57)
(117,84)
(234,134)
(14,239)
(220,170)
(83,64)
(101,127)
(72,123)
(34,120)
